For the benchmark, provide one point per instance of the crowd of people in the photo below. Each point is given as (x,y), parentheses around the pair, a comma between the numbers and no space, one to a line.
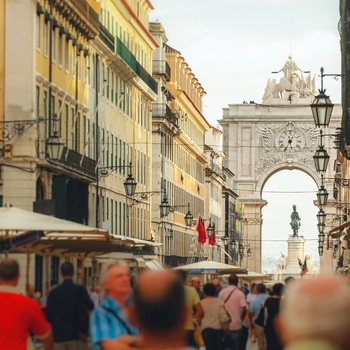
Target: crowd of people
(165,310)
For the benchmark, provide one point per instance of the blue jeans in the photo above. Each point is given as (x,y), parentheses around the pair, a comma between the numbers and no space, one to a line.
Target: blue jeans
(235,337)
(212,338)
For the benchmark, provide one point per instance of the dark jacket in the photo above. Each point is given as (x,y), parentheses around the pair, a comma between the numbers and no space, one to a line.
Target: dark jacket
(67,309)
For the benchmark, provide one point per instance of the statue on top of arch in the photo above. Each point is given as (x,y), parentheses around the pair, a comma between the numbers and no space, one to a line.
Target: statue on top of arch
(292,85)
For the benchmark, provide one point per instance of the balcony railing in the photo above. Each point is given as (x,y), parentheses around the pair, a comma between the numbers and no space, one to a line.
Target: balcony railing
(73,160)
(107,38)
(162,67)
(146,77)
(126,55)
(74,10)
(163,110)
(84,8)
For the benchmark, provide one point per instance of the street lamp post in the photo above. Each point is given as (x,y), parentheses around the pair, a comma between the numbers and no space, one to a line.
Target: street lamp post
(129,184)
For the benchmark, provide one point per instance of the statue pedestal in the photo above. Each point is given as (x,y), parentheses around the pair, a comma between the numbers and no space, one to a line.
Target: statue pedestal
(295,251)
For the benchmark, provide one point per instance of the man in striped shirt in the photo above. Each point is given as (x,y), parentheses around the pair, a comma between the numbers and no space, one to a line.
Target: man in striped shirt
(110,319)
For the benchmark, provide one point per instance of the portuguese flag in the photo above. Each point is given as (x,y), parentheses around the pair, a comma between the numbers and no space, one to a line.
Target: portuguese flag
(304,269)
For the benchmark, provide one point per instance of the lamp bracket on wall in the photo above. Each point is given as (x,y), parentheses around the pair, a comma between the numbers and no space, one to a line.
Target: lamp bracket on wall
(16,128)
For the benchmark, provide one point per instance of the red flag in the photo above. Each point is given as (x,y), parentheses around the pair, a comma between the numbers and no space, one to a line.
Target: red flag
(201,230)
(212,238)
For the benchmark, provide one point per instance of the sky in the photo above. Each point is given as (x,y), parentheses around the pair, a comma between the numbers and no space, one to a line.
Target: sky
(232,46)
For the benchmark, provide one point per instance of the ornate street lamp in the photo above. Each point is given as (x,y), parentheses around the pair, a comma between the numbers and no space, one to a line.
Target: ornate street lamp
(189,217)
(321,217)
(241,250)
(321,159)
(54,147)
(164,207)
(320,228)
(54,143)
(233,245)
(321,238)
(249,252)
(130,184)
(320,250)
(322,196)
(210,228)
(322,106)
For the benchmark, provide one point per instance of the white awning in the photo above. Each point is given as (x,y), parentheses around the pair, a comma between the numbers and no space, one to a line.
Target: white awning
(140,261)
(154,265)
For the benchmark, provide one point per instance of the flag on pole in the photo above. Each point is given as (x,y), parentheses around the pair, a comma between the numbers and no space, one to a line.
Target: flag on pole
(304,269)
(212,238)
(201,230)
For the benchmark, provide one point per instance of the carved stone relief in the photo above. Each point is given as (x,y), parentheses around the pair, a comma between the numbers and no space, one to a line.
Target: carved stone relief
(288,143)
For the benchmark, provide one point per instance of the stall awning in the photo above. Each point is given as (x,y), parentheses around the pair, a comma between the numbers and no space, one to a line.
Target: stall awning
(154,265)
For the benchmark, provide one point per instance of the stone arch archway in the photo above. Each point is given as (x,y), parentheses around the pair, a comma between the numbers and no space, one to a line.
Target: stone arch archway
(286,166)
(261,140)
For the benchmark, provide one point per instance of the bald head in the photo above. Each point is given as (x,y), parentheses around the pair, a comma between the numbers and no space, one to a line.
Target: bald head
(159,301)
(316,309)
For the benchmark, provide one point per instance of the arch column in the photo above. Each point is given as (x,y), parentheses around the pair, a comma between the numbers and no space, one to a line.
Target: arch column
(252,223)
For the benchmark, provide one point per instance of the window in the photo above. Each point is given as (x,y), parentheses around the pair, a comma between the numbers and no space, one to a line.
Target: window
(66,109)
(66,63)
(73,59)
(60,48)
(37,102)
(46,38)
(79,68)
(72,127)
(45,113)
(77,144)
(53,106)
(60,114)
(38,29)
(53,44)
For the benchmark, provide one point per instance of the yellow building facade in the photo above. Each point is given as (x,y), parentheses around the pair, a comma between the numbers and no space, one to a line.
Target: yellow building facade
(80,73)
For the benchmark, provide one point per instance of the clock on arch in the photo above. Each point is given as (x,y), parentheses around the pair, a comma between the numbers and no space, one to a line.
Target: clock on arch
(289,139)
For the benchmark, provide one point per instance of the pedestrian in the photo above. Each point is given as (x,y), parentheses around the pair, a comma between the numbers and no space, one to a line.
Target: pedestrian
(236,305)
(216,282)
(96,296)
(194,309)
(250,297)
(160,312)
(19,315)
(212,331)
(255,308)
(315,314)
(196,284)
(111,319)
(67,309)
(272,306)
(32,294)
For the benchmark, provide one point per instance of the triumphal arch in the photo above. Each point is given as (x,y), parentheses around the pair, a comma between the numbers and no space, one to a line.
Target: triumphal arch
(261,139)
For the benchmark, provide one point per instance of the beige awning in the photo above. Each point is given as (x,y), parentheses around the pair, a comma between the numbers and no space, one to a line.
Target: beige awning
(254,276)
(211,267)
(29,232)
(14,221)
(154,265)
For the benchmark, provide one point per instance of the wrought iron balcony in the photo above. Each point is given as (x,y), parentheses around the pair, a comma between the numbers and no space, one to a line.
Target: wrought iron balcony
(106,37)
(78,162)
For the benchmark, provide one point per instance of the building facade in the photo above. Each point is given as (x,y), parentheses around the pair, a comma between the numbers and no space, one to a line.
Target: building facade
(80,74)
